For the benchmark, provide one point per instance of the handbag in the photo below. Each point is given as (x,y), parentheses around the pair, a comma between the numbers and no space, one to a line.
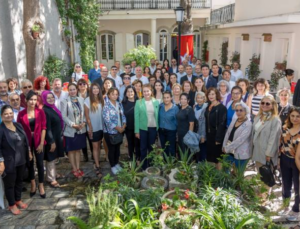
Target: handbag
(117,138)
(267,174)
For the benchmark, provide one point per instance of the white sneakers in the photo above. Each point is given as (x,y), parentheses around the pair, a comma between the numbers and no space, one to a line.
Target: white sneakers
(117,168)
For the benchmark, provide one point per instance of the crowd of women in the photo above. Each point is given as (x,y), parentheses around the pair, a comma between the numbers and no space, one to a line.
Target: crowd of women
(229,118)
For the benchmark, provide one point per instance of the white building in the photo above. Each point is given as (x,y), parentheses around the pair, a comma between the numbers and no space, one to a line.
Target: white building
(125,24)
(245,25)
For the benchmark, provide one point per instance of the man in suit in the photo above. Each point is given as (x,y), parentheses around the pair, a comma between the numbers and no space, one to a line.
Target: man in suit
(208,80)
(189,75)
(173,68)
(214,61)
(104,74)
(215,73)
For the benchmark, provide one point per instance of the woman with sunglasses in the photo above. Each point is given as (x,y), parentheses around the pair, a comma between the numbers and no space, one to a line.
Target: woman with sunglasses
(283,106)
(14,154)
(83,92)
(290,139)
(34,122)
(237,141)
(126,83)
(77,74)
(128,102)
(266,133)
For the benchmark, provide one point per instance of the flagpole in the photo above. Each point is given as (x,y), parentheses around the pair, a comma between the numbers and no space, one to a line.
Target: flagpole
(179,42)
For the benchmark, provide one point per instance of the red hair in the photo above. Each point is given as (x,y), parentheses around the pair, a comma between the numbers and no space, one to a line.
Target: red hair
(38,80)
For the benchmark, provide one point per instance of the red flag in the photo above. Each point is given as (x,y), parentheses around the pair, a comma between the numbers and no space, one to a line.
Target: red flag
(187,47)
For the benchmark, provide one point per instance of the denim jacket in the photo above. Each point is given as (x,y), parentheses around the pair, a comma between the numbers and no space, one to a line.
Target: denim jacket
(201,121)
(110,117)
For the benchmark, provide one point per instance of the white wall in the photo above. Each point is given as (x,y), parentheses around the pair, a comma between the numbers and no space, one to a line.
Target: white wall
(271,52)
(220,3)
(12,47)
(248,9)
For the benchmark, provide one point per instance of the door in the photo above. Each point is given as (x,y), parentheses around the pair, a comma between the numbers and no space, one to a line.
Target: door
(107,49)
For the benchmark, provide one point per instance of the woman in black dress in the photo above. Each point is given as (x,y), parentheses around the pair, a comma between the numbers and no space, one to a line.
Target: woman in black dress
(129,99)
(54,147)
(185,120)
(215,116)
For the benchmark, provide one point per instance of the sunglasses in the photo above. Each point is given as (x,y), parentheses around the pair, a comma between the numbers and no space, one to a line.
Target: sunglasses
(239,110)
(265,103)
(15,100)
(126,78)
(78,66)
(114,69)
(27,87)
(128,68)
(82,84)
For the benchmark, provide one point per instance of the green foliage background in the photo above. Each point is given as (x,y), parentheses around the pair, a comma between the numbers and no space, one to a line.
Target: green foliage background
(85,16)
(142,55)
(55,68)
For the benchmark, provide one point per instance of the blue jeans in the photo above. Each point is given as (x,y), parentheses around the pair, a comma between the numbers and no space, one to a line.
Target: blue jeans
(168,136)
(239,164)
(147,139)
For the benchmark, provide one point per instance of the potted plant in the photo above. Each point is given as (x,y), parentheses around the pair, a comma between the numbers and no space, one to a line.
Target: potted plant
(178,199)
(154,182)
(253,67)
(156,159)
(35,30)
(177,220)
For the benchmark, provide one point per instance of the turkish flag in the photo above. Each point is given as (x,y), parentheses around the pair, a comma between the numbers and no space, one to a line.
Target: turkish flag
(186,47)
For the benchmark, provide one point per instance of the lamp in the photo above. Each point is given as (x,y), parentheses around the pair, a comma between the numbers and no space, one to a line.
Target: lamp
(179,12)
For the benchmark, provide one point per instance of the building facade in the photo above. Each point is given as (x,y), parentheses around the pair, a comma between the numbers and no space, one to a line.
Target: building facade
(269,28)
(125,24)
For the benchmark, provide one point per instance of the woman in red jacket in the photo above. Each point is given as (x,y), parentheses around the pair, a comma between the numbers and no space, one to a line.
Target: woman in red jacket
(33,121)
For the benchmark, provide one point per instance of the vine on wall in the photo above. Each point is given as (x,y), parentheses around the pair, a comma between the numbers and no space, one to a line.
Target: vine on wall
(224,53)
(85,17)
(204,51)
(253,67)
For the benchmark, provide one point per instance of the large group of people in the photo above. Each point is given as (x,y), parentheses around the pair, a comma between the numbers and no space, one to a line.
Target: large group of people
(156,104)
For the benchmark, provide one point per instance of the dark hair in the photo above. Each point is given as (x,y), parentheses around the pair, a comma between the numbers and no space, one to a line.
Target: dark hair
(125,99)
(113,67)
(218,96)
(227,65)
(238,88)
(167,61)
(103,89)
(30,94)
(72,84)
(262,81)
(82,80)
(214,60)
(226,71)
(204,66)
(243,80)
(5,107)
(167,93)
(148,69)
(215,65)
(289,72)
(111,90)
(94,105)
(170,83)
(162,89)
(14,80)
(186,95)
(161,75)
(288,122)
(126,75)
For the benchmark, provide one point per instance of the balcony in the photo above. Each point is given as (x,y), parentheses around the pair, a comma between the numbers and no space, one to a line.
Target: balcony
(222,15)
(148,4)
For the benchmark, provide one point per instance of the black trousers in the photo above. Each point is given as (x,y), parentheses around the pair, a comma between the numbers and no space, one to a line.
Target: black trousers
(113,151)
(290,176)
(133,144)
(13,185)
(39,160)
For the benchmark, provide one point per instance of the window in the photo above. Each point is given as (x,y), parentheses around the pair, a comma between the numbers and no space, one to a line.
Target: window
(197,43)
(163,45)
(256,46)
(107,47)
(141,39)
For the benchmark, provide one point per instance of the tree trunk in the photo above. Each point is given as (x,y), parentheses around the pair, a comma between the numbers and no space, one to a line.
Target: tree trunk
(187,24)
(34,47)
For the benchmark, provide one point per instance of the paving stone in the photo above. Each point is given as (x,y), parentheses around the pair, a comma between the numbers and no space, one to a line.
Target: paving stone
(66,203)
(68,226)
(65,213)
(61,193)
(28,218)
(25,227)
(49,217)
(48,190)
(7,227)
(82,204)
(43,204)
(48,227)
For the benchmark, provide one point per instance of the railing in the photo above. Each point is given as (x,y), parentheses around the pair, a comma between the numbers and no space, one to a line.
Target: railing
(148,4)
(222,15)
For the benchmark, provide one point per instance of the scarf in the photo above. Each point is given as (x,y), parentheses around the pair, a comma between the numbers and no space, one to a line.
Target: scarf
(198,107)
(44,97)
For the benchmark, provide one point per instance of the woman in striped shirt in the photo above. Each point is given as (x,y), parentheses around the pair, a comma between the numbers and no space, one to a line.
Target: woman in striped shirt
(261,89)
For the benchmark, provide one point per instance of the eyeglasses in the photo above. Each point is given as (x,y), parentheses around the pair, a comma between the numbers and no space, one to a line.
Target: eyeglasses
(82,84)
(114,69)
(236,93)
(126,78)
(78,67)
(265,103)
(15,100)
(239,110)
(128,68)
(27,87)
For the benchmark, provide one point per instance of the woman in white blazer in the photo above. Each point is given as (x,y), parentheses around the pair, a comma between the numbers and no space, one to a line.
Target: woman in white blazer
(237,141)
(72,110)
(266,132)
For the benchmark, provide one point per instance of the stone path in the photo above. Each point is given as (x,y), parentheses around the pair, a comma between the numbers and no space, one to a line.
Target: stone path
(69,200)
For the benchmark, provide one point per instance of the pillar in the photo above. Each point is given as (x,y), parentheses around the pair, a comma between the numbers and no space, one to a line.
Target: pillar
(153,33)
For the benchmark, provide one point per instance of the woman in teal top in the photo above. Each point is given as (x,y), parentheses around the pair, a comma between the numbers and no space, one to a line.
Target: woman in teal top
(146,122)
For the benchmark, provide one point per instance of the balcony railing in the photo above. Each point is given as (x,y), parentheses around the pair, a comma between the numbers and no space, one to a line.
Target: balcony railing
(222,15)
(148,4)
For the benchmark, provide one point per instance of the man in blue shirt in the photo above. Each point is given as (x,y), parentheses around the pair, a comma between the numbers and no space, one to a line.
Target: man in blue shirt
(94,73)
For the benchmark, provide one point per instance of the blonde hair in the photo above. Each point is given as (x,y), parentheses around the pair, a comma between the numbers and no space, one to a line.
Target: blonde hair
(148,86)
(177,85)
(274,111)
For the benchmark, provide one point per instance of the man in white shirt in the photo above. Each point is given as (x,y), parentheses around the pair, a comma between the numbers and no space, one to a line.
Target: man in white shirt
(59,94)
(152,66)
(15,102)
(133,65)
(226,75)
(113,75)
(139,76)
(236,73)
(180,73)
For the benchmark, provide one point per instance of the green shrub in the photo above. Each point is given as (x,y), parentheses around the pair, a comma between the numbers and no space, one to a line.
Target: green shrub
(142,55)
(55,68)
